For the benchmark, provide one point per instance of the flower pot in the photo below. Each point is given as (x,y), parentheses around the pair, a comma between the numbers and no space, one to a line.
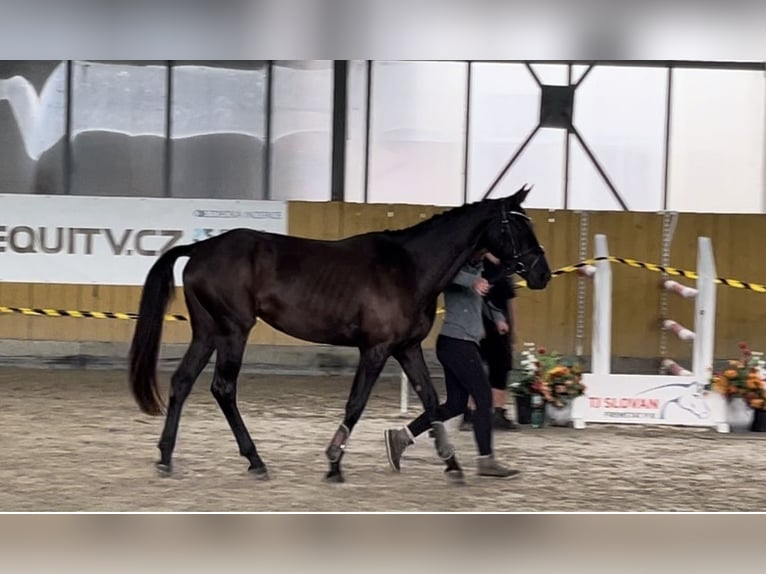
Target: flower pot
(739,415)
(559,416)
(523,409)
(759,421)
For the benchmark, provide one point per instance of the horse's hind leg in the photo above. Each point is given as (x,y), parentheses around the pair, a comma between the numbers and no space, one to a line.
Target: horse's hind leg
(371,363)
(414,365)
(230,350)
(195,359)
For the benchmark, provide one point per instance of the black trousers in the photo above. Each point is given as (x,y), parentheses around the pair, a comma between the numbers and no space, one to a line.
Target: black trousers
(496,352)
(464,376)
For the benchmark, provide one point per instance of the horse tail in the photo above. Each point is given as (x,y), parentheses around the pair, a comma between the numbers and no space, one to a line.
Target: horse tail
(145,348)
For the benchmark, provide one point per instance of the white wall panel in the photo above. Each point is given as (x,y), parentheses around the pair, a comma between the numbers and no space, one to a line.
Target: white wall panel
(620,114)
(717,141)
(587,189)
(505,108)
(417,133)
(302,130)
(356,126)
(551,74)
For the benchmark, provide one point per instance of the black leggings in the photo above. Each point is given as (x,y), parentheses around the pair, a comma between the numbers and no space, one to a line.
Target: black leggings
(463,376)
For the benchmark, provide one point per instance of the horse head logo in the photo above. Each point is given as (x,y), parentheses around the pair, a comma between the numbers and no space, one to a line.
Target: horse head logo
(687,399)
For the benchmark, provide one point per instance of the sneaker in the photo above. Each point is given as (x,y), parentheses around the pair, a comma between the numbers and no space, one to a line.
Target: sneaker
(397,440)
(501,422)
(488,466)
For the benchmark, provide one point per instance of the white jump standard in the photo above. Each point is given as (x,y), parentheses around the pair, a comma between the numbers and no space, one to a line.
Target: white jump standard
(674,399)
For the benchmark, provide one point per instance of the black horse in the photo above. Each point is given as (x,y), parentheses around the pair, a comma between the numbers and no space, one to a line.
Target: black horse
(376,291)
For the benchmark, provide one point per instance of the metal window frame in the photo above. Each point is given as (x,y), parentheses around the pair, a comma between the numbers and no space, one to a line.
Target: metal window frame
(670,65)
(168,158)
(340,117)
(339,130)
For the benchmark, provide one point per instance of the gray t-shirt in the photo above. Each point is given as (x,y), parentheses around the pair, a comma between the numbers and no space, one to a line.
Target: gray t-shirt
(463,307)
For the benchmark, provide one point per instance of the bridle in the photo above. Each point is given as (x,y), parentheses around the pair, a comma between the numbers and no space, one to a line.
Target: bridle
(518,265)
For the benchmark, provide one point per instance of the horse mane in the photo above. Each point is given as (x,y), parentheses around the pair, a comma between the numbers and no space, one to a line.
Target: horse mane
(443,217)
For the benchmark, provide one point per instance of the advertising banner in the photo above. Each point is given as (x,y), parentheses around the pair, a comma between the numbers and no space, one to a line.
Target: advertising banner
(652,399)
(113,240)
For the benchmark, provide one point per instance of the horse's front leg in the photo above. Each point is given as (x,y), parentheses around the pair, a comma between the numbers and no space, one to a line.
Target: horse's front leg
(371,362)
(414,365)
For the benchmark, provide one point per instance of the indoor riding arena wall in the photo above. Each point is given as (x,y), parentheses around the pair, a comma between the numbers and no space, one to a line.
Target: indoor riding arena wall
(548,318)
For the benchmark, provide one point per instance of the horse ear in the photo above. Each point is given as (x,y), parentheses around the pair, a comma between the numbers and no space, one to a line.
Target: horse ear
(521,195)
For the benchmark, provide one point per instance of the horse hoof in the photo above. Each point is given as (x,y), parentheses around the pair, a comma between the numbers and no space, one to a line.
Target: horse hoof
(334,477)
(455,476)
(164,469)
(259,472)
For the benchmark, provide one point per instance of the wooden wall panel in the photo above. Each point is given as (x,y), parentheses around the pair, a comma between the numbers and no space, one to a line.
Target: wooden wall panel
(683,255)
(317,220)
(123,299)
(57,296)
(14,295)
(360,218)
(739,255)
(635,311)
(548,318)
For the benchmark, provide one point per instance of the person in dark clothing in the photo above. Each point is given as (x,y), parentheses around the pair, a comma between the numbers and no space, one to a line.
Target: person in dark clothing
(457,349)
(496,345)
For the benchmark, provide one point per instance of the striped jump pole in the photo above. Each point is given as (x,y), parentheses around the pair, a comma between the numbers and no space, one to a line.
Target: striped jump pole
(680,289)
(706,269)
(680,331)
(703,335)
(588,271)
(673,368)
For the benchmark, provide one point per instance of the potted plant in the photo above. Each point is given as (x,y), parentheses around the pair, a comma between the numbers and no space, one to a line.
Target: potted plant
(556,378)
(742,384)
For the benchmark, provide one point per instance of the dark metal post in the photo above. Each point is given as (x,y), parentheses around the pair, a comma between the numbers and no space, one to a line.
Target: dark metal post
(600,170)
(267,136)
(467,140)
(567,144)
(511,161)
(368,115)
(68,130)
(666,158)
(339,119)
(168,164)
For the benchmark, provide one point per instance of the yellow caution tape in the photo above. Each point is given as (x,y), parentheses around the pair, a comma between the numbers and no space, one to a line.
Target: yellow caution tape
(80,314)
(736,283)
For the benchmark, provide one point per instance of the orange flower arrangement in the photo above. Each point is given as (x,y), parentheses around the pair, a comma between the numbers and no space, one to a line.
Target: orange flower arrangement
(742,378)
(554,377)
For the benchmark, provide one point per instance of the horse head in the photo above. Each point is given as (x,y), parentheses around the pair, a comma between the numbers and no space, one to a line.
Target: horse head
(510,236)
(695,403)
(690,399)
